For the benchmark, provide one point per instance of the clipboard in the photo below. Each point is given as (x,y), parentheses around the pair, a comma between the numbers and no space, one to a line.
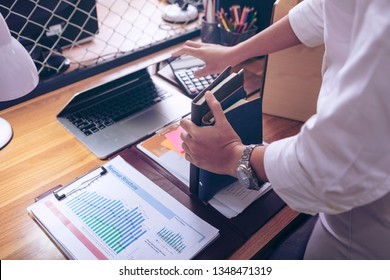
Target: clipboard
(114,212)
(167,203)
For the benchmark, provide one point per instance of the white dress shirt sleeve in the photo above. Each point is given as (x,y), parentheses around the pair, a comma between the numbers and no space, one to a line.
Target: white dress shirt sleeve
(341,157)
(307,22)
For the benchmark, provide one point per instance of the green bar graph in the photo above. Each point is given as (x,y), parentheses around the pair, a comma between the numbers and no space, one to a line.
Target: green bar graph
(109,219)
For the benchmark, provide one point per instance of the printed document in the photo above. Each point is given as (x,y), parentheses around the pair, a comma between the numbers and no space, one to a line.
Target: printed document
(117,213)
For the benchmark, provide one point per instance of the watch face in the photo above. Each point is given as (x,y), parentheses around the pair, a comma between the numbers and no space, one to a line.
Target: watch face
(243,177)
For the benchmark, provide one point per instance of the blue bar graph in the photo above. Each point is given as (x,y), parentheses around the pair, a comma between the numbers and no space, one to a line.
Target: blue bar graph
(115,224)
(174,240)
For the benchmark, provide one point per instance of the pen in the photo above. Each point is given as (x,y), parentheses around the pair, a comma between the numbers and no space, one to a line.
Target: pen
(236,23)
(243,15)
(251,24)
(222,21)
(236,9)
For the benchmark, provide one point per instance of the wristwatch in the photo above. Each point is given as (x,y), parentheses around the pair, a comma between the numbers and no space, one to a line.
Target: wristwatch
(244,171)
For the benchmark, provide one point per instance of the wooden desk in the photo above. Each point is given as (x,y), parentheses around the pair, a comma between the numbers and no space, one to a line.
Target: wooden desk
(42,154)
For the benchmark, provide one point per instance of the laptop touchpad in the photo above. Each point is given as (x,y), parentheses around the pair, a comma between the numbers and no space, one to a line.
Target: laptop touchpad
(145,123)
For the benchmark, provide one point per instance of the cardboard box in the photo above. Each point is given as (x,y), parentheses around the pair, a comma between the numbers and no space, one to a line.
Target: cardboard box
(293,76)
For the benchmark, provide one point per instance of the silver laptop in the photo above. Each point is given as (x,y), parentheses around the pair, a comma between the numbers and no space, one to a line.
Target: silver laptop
(119,113)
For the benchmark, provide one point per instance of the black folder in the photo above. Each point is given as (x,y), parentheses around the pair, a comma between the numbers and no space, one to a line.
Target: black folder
(244,116)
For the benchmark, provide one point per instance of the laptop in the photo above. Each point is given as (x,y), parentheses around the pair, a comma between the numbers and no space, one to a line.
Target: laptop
(114,115)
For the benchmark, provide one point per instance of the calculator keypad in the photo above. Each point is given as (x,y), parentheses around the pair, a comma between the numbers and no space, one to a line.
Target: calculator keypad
(192,85)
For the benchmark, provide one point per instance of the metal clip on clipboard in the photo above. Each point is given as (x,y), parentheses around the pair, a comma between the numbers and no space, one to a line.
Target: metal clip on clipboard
(82,185)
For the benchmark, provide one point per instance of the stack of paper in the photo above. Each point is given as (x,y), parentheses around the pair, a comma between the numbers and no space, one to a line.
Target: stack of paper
(165,148)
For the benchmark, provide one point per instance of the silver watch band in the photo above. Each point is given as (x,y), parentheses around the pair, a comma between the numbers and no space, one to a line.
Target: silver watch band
(247,152)
(251,180)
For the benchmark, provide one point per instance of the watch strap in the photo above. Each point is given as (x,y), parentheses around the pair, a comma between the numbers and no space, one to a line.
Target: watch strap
(245,160)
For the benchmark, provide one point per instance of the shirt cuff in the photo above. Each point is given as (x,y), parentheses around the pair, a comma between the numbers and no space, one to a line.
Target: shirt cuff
(286,176)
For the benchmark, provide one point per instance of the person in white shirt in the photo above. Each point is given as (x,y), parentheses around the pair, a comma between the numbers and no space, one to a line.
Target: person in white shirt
(338,165)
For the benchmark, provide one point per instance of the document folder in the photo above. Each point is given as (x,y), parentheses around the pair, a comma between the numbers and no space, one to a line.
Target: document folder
(244,116)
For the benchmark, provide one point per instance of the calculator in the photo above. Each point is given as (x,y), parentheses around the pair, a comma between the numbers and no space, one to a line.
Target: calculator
(183,68)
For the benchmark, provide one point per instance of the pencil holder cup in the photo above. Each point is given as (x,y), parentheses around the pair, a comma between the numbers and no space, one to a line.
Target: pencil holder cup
(209,32)
(229,38)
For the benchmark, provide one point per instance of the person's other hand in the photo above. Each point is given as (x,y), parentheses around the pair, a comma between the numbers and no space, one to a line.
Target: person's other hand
(214,148)
(216,57)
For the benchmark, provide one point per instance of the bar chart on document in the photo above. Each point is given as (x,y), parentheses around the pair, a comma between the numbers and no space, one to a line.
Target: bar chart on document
(119,225)
(116,217)
(116,225)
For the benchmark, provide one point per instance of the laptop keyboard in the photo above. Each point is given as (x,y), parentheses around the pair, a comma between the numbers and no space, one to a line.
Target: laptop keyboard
(122,103)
